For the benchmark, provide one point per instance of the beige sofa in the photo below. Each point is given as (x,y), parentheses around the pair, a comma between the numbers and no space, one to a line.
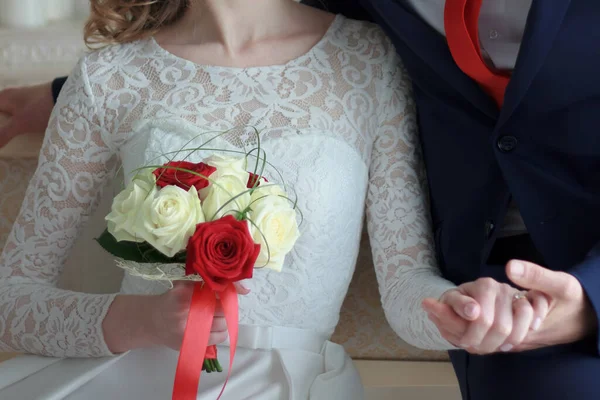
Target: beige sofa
(390,368)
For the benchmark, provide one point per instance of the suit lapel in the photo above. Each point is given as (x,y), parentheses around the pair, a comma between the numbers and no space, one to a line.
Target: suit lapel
(543,23)
(431,47)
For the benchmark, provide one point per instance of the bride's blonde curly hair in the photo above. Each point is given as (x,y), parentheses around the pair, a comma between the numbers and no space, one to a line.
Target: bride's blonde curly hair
(121,21)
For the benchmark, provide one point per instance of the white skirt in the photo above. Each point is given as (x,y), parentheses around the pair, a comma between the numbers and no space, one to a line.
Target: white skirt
(271,363)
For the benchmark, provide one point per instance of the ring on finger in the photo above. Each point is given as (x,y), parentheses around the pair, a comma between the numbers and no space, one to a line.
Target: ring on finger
(519,296)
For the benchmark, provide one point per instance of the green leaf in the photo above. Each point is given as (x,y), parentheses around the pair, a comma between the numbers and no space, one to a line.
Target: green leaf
(137,252)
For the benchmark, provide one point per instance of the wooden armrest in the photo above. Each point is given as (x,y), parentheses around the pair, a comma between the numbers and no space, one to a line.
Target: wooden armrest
(414,380)
(7,356)
(388,373)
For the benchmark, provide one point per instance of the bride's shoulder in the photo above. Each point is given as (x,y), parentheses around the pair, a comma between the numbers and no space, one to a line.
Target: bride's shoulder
(366,47)
(119,53)
(100,62)
(363,38)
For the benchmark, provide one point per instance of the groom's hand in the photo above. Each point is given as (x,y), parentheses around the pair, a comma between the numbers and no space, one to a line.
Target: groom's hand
(570,315)
(483,316)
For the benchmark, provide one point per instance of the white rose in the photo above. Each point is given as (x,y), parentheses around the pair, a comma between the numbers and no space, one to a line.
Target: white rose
(275,225)
(226,162)
(267,189)
(216,197)
(169,218)
(126,206)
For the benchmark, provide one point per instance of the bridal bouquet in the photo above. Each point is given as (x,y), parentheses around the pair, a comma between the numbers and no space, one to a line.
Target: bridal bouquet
(211,222)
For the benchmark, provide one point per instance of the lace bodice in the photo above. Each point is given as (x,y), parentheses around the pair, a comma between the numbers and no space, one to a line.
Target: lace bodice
(337,122)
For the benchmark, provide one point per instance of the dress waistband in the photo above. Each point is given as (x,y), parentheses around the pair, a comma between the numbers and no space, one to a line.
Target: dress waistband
(279,337)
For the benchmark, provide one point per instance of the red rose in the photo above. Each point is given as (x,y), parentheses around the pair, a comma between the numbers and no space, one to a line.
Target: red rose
(184,179)
(221,252)
(252,180)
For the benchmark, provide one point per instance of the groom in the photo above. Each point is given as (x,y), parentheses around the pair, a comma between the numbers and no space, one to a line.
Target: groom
(509,114)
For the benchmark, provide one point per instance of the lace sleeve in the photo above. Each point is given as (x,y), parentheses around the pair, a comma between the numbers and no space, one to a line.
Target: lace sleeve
(74,164)
(398,217)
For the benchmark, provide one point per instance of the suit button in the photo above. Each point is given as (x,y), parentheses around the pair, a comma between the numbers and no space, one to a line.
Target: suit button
(507,144)
(489,228)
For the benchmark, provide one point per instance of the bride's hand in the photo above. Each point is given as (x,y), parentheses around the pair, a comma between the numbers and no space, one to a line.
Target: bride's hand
(485,317)
(144,321)
(169,316)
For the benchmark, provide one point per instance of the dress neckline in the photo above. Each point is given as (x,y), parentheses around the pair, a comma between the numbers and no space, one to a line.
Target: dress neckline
(333,27)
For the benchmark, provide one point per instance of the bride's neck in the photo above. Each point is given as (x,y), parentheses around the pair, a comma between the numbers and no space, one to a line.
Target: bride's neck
(232,24)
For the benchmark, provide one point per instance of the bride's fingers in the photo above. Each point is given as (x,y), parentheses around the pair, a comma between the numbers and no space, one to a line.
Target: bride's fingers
(217,338)
(444,317)
(464,306)
(449,336)
(219,310)
(183,285)
(241,289)
(219,325)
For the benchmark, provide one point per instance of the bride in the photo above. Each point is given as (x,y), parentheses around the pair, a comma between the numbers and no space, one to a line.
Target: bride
(333,106)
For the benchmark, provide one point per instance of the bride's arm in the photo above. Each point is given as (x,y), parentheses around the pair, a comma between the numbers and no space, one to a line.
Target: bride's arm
(74,164)
(398,216)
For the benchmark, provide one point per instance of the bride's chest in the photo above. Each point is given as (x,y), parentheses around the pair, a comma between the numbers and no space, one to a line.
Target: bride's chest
(319,169)
(293,102)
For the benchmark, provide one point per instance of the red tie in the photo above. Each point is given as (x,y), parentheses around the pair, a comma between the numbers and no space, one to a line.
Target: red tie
(460,23)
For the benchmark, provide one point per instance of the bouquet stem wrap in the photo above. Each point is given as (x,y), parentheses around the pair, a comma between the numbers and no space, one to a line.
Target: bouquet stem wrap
(196,336)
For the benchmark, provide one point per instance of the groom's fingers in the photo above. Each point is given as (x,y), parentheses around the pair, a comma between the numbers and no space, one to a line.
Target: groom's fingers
(7,101)
(7,132)
(531,276)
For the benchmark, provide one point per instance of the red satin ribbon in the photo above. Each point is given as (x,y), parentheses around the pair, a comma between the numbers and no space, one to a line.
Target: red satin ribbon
(197,333)
(229,301)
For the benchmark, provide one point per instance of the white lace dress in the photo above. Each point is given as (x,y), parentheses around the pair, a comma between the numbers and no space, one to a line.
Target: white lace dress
(337,122)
